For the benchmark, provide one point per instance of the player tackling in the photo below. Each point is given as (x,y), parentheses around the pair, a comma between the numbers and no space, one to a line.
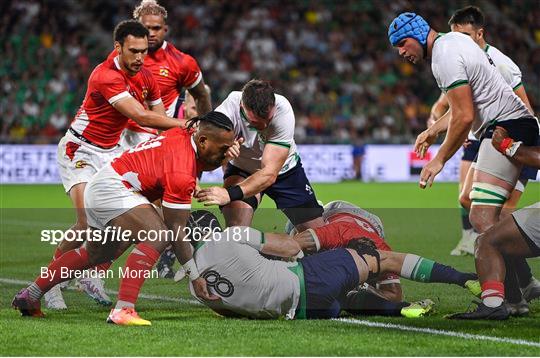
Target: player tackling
(120,196)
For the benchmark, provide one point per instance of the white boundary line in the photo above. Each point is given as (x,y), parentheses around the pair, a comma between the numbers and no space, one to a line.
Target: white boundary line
(142,295)
(439,332)
(373,324)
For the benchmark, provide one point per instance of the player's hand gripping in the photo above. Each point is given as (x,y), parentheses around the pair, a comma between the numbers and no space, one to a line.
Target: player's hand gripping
(214,195)
(499,135)
(424,141)
(201,290)
(429,172)
(234,151)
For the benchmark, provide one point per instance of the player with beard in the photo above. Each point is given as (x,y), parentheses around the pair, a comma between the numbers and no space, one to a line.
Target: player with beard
(173,70)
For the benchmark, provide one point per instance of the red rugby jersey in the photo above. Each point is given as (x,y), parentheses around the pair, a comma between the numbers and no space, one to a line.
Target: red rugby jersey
(97,120)
(162,168)
(174,71)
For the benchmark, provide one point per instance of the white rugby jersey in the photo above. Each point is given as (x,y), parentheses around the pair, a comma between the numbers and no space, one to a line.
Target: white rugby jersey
(280,132)
(458,60)
(506,67)
(248,283)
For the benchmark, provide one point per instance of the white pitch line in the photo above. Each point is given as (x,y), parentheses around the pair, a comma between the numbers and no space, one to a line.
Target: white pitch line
(142,295)
(439,332)
(399,327)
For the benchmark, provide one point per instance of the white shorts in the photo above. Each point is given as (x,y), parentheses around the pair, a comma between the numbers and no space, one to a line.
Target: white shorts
(492,162)
(106,198)
(130,139)
(86,160)
(528,220)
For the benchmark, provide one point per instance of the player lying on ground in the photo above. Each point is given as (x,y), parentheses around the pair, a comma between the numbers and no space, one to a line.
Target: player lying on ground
(120,196)
(314,286)
(347,222)
(517,235)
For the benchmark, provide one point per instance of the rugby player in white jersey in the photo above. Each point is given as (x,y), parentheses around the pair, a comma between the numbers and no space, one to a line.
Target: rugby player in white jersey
(268,163)
(479,99)
(316,286)
(471,21)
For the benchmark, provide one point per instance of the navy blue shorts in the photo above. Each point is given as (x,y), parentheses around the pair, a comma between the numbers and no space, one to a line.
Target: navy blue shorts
(471,151)
(328,277)
(292,193)
(524,130)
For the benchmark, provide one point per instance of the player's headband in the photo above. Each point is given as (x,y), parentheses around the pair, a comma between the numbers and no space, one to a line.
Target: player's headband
(408,24)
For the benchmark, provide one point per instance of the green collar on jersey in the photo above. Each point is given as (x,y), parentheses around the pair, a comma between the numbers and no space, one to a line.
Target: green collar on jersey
(298,270)
(486,48)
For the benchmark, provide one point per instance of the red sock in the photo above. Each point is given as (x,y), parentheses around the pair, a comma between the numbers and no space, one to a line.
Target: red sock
(492,293)
(107,265)
(139,263)
(74,260)
(57,254)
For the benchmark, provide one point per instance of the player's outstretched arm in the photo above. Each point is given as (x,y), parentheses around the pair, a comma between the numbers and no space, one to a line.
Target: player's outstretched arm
(273,158)
(462,117)
(439,109)
(131,108)
(525,155)
(281,245)
(176,221)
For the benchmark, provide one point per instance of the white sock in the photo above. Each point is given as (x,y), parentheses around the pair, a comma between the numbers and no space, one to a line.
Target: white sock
(121,304)
(493,301)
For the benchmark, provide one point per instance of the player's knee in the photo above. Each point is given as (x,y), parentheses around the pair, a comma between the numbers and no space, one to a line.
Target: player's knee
(465,200)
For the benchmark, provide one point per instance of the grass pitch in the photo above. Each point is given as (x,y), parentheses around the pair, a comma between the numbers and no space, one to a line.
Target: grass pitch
(423,222)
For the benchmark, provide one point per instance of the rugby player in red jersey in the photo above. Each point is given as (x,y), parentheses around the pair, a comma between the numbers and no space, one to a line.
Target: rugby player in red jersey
(119,196)
(173,70)
(118,88)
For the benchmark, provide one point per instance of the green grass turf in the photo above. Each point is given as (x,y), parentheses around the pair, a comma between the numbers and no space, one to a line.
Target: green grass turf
(423,222)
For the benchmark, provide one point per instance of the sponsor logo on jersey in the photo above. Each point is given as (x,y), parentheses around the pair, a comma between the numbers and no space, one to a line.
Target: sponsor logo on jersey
(164,72)
(144,93)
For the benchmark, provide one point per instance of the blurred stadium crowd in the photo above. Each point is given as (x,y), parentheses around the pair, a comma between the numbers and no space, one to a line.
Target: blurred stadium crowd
(331,59)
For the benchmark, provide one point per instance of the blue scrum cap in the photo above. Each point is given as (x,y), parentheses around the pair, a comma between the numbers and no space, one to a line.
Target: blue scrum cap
(408,24)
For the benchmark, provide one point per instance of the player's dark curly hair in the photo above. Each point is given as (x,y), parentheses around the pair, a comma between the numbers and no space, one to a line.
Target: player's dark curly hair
(129,27)
(258,96)
(213,118)
(468,15)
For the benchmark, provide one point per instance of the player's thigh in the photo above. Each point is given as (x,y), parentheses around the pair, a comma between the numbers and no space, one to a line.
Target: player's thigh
(238,212)
(145,225)
(328,276)
(293,194)
(509,239)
